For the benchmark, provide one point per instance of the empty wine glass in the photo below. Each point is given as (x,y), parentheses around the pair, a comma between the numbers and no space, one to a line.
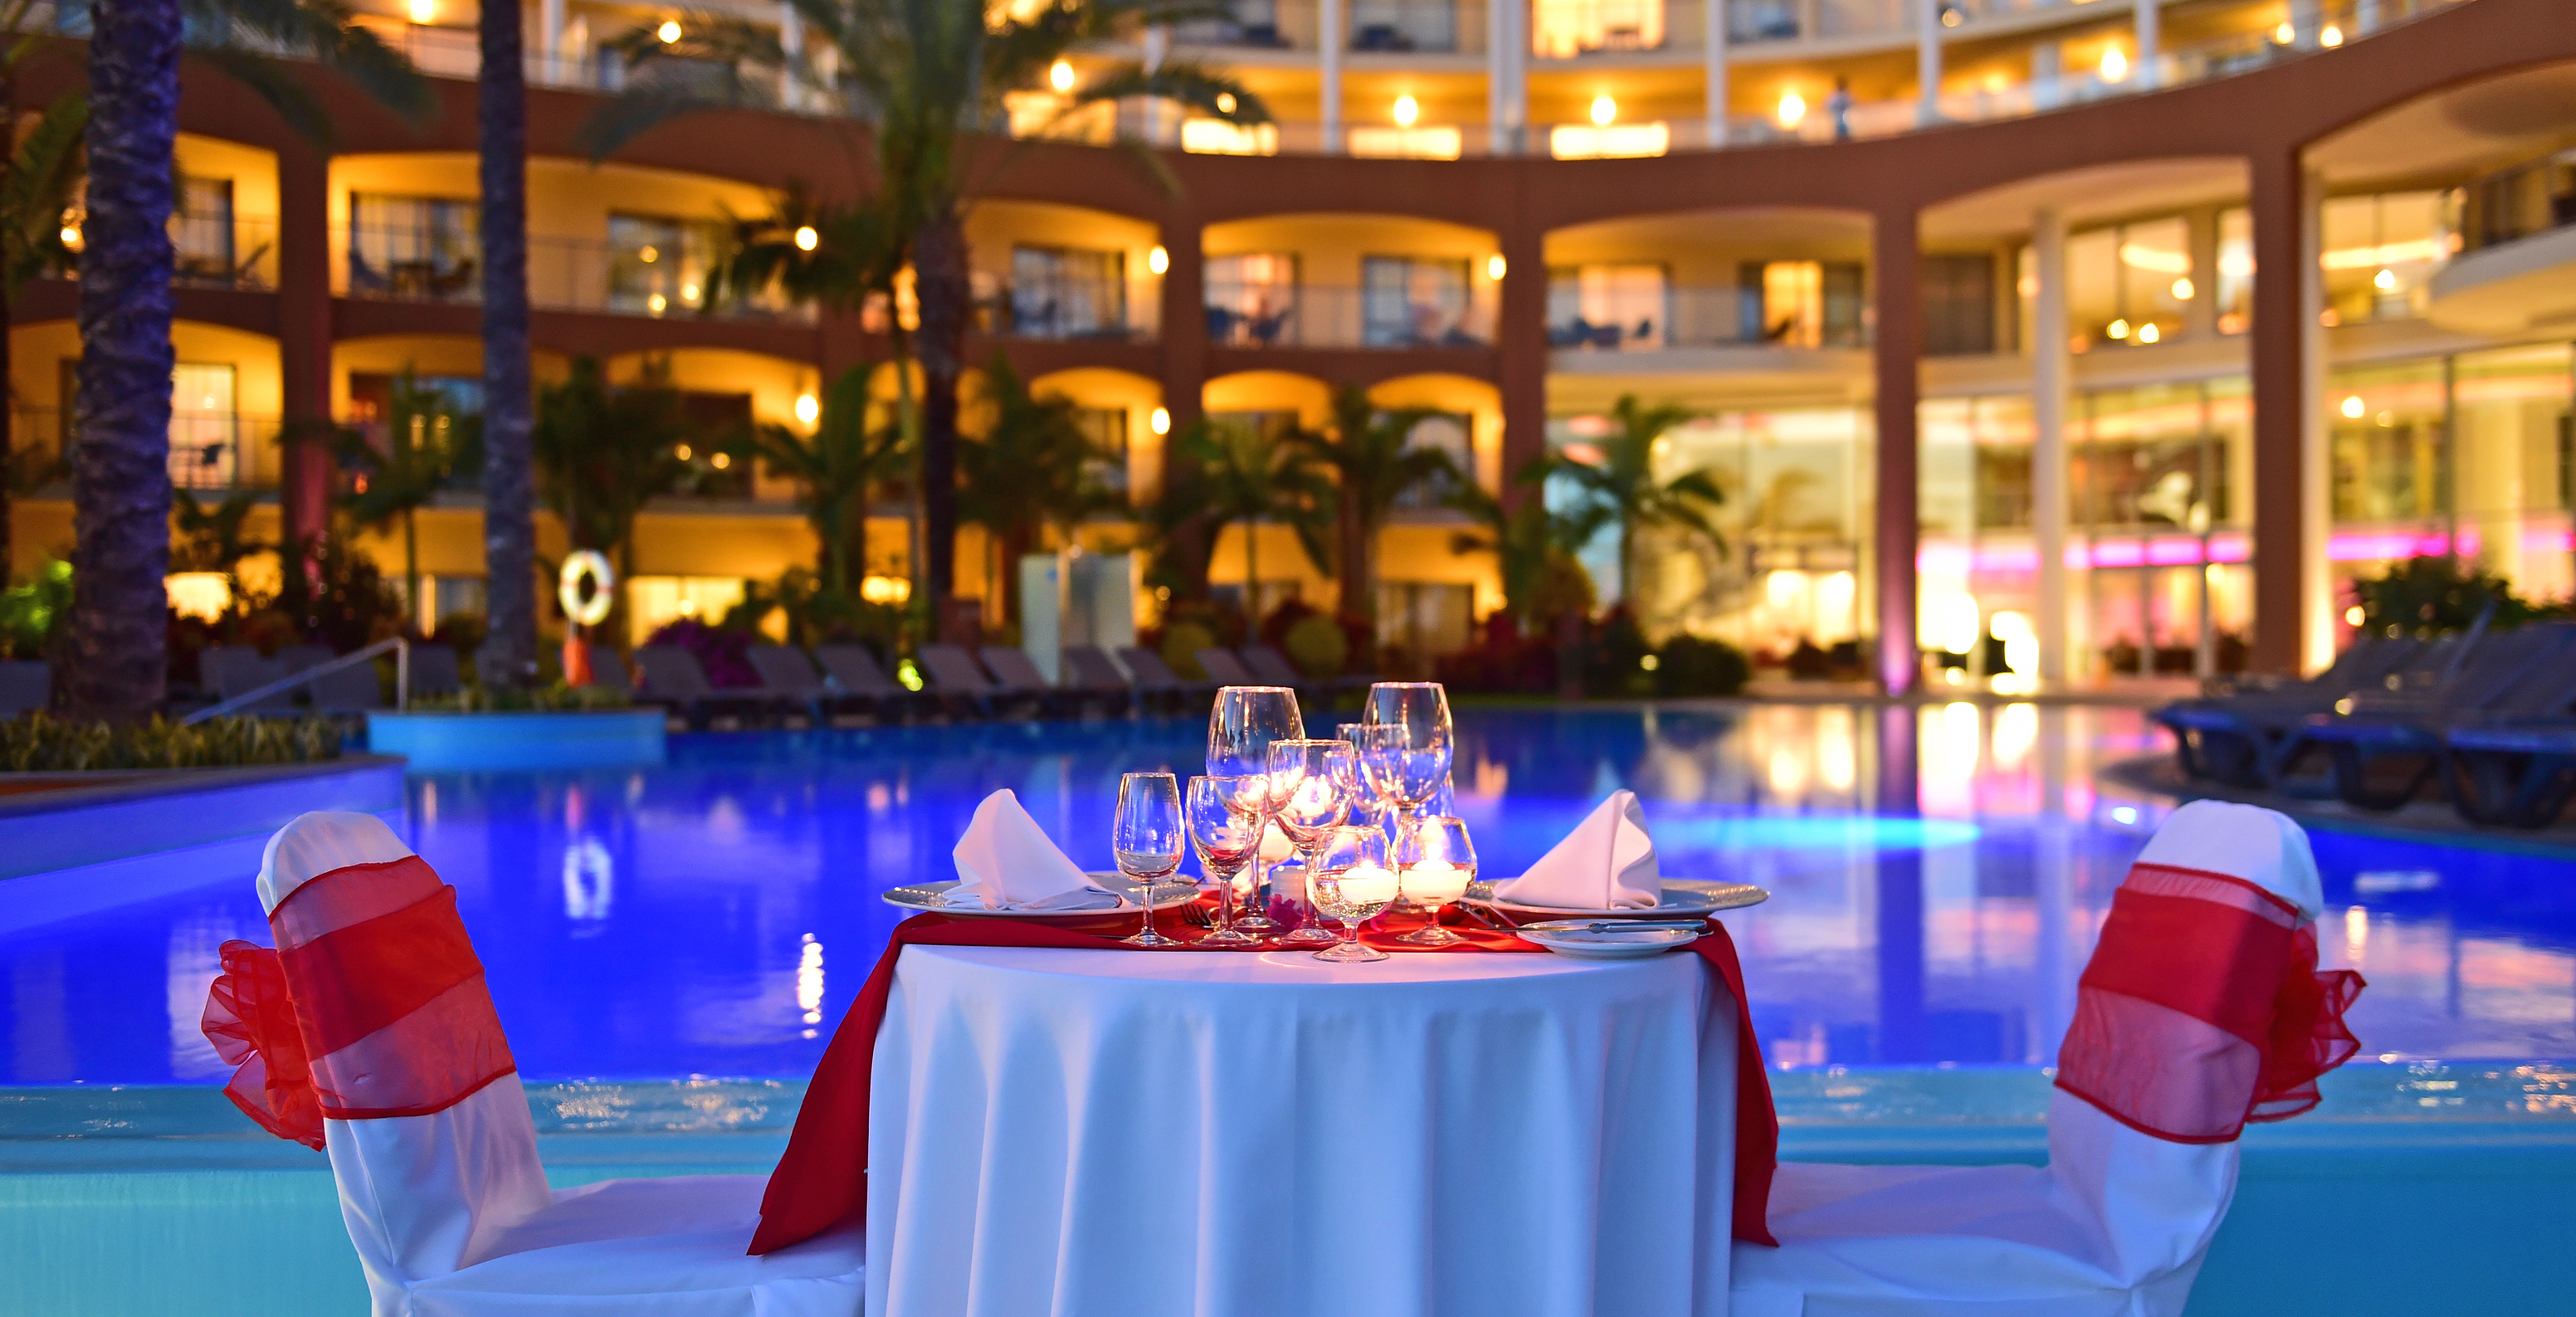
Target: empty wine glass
(1408,759)
(1227,816)
(1434,862)
(1368,808)
(1309,799)
(1351,883)
(1146,836)
(1245,723)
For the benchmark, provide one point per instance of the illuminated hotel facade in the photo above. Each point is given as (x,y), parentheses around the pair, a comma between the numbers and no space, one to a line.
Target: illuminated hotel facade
(2088,338)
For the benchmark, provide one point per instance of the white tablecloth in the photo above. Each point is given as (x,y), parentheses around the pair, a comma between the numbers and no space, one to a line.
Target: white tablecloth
(1127,1134)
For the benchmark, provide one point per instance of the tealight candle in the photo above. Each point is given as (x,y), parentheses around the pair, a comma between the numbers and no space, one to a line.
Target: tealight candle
(1436,882)
(1367,885)
(1275,845)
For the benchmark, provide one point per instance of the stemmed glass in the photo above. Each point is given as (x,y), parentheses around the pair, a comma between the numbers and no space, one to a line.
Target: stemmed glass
(1242,726)
(1368,808)
(1351,883)
(1308,800)
(1147,837)
(1435,862)
(1408,750)
(1227,816)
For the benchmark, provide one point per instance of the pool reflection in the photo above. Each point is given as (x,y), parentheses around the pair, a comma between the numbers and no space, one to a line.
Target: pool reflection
(1939,875)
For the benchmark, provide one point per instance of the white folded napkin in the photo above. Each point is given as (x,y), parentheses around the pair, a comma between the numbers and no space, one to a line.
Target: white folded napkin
(1606,863)
(1009,863)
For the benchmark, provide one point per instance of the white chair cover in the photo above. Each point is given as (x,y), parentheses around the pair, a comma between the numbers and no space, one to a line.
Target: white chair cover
(2115,1225)
(450,1211)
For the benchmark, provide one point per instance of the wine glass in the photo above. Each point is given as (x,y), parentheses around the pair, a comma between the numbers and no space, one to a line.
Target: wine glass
(1242,726)
(1308,800)
(1408,759)
(1227,816)
(1245,723)
(1147,837)
(1368,808)
(1351,883)
(1434,862)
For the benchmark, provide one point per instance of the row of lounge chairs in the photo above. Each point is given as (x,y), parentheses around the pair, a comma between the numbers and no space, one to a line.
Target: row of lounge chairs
(841,685)
(2486,717)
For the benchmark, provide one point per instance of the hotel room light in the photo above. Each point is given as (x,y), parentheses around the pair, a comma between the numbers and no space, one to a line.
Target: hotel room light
(1158,260)
(1060,76)
(808,408)
(1494,267)
(1604,110)
(1793,107)
(2385,281)
(2353,407)
(669,31)
(806,238)
(422,11)
(2115,65)
(2182,289)
(1161,421)
(1407,110)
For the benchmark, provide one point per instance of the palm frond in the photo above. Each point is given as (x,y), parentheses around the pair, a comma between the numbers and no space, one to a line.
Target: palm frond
(1190,83)
(267,79)
(319,30)
(43,173)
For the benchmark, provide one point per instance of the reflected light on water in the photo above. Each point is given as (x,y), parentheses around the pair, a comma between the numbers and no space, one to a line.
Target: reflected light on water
(809,982)
(2356,933)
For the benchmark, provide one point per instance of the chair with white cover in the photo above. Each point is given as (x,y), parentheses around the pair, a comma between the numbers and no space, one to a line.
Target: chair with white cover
(2208,948)
(411,1089)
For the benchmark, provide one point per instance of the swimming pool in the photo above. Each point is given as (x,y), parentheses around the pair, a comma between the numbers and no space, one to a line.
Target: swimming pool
(1938,875)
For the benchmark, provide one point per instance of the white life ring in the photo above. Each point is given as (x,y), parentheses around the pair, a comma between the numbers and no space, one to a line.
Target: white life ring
(581,565)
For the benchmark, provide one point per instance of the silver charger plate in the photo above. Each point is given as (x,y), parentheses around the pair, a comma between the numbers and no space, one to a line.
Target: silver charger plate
(933,898)
(1583,939)
(1681,896)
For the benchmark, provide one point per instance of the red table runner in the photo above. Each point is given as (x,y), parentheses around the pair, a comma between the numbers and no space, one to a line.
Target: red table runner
(821,1180)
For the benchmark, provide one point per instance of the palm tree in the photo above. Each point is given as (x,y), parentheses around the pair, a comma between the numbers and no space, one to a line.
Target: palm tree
(834,469)
(1534,546)
(1246,477)
(428,443)
(1372,461)
(509,477)
(1625,484)
(1029,471)
(601,452)
(118,633)
(925,76)
(42,171)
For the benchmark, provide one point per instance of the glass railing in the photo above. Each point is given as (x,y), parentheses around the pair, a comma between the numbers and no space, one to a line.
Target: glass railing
(1699,317)
(564,274)
(1075,310)
(2511,204)
(208,450)
(1312,316)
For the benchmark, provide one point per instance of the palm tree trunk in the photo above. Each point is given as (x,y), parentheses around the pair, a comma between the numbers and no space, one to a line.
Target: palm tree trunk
(1359,597)
(940,285)
(411,569)
(509,399)
(118,661)
(8,393)
(1252,579)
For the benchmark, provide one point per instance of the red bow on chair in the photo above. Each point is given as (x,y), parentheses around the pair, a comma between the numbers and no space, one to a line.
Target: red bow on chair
(251,1021)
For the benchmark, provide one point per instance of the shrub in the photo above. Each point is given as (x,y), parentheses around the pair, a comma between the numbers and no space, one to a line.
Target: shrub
(1691,665)
(557,698)
(30,611)
(724,653)
(1283,619)
(1503,661)
(1182,642)
(1612,657)
(40,743)
(1318,646)
(2437,594)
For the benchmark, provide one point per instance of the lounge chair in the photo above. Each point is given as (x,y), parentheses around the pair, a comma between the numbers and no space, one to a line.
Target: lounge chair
(962,682)
(852,670)
(26,685)
(2380,749)
(1089,670)
(1016,674)
(230,671)
(1154,680)
(1223,668)
(434,671)
(2514,776)
(1273,667)
(608,669)
(674,680)
(351,689)
(789,672)
(2237,739)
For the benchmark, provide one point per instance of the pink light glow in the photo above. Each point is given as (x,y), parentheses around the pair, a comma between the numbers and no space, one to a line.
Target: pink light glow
(1951,558)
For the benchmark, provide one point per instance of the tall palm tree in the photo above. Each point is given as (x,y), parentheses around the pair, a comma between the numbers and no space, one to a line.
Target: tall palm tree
(926,77)
(509,401)
(118,631)
(117,650)
(1029,471)
(1624,482)
(835,468)
(1246,477)
(602,451)
(1373,462)
(427,443)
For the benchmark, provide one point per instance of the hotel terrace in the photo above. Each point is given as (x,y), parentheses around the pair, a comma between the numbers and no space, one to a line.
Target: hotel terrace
(2107,337)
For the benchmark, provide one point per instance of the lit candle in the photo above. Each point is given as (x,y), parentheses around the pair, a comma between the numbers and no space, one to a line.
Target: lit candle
(1436,882)
(1275,845)
(1368,884)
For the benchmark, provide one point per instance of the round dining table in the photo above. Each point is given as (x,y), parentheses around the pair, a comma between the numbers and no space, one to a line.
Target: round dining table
(1131,1134)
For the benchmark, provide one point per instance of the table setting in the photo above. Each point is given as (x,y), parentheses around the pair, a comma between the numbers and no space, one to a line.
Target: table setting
(1342,1069)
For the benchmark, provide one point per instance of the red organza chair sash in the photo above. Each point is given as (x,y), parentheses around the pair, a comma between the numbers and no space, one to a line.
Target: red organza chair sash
(2203,1008)
(372,1006)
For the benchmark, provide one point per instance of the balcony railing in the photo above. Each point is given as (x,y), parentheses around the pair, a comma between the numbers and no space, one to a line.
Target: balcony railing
(1313,316)
(2512,204)
(208,450)
(1698,317)
(1075,310)
(564,274)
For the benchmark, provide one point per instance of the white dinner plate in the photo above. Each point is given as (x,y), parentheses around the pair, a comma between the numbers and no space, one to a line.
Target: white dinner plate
(933,898)
(1588,940)
(1685,897)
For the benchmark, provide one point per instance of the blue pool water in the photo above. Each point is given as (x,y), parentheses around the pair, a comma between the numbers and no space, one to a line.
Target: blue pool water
(1938,874)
